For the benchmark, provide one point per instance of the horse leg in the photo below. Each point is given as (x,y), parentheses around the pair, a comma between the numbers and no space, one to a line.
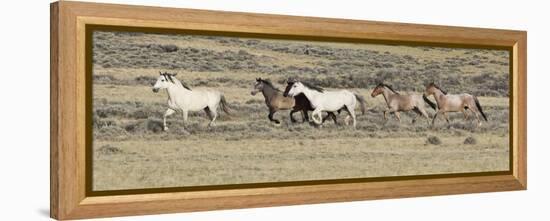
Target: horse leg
(214,116)
(326,117)
(346,120)
(417,111)
(185,116)
(317,113)
(321,118)
(479,122)
(291,116)
(305,117)
(473,107)
(425,114)
(270,116)
(447,119)
(166,114)
(435,116)
(385,115)
(208,114)
(465,112)
(333,116)
(397,115)
(351,112)
(476,114)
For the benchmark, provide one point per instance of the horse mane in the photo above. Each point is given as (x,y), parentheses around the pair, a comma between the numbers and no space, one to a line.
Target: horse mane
(311,86)
(268,83)
(389,87)
(169,77)
(185,85)
(442,91)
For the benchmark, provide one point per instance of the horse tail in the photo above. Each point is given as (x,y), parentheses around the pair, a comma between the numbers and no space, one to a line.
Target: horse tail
(224,105)
(479,108)
(362,101)
(432,105)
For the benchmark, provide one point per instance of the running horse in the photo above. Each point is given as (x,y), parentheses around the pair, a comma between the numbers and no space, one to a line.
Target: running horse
(454,103)
(181,98)
(397,102)
(328,101)
(275,101)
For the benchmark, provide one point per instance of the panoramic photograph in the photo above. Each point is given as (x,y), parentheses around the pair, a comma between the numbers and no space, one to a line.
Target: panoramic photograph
(178,110)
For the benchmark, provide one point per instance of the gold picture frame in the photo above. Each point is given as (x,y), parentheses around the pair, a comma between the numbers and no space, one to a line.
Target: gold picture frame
(71,197)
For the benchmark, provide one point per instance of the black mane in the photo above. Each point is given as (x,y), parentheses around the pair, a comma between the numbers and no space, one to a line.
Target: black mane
(169,77)
(268,83)
(313,87)
(185,85)
(442,91)
(389,87)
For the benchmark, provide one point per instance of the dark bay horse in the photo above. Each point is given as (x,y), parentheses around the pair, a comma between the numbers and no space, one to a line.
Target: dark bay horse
(454,103)
(397,102)
(275,101)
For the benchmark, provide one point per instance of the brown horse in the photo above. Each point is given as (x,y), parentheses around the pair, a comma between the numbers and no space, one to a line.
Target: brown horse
(400,102)
(454,103)
(275,101)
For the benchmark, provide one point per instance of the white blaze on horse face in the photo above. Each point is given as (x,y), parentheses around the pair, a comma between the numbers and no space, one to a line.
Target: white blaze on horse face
(296,89)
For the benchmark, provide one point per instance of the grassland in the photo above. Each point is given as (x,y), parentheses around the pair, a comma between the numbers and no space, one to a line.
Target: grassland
(131,151)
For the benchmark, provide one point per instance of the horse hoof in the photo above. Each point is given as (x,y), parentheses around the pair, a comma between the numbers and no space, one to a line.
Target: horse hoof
(165,128)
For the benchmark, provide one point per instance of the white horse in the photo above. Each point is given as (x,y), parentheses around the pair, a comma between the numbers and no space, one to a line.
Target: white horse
(331,101)
(182,98)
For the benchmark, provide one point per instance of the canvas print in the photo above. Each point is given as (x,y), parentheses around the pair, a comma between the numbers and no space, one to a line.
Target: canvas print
(181,110)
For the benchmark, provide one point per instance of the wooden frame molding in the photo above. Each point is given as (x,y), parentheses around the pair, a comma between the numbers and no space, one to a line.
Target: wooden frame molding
(68,113)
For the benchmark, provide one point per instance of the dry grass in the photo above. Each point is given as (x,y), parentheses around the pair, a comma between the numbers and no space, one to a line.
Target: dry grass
(195,162)
(131,151)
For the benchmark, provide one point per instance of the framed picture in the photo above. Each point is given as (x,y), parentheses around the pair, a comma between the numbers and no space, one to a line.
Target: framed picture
(160,110)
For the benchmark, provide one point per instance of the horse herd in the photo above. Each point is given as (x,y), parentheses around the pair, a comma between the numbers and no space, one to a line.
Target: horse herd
(300,96)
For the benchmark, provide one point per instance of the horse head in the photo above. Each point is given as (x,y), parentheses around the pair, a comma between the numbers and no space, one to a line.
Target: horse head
(164,81)
(289,82)
(292,80)
(293,88)
(377,90)
(258,86)
(432,88)
(161,83)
